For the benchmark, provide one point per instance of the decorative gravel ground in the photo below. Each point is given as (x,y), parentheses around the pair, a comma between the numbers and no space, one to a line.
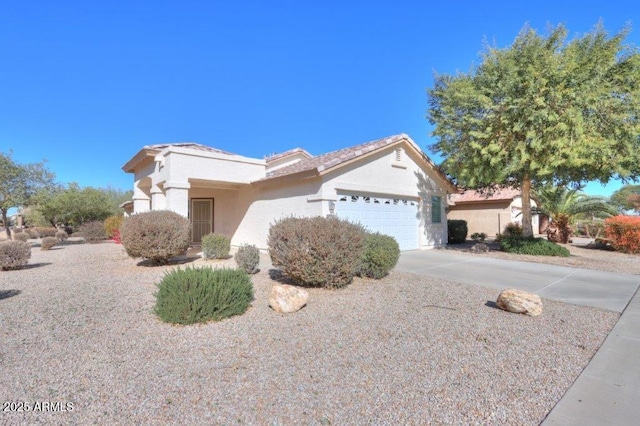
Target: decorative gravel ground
(77,327)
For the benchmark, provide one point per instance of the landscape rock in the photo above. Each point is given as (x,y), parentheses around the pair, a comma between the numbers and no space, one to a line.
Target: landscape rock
(479,248)
(287,298)
(520,302)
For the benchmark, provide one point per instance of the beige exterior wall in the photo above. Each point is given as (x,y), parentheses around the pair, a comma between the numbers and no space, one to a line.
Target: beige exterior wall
(489,218)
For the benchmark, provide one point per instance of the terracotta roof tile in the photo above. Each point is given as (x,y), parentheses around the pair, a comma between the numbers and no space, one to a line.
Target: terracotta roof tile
(474,196)
(332,159)
(191,145)
(274,157)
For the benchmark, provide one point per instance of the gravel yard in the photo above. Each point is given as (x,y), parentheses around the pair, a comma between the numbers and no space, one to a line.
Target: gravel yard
(77,326)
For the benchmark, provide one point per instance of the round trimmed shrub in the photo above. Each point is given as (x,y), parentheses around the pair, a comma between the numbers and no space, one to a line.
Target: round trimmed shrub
(62,236)
(380,255)
(22,236)
(14,254)
(457,231)
(156,235)
(45,232)
(48,242)
(216,246)
(317,251)
(92,232)
(248,258)
(197,295)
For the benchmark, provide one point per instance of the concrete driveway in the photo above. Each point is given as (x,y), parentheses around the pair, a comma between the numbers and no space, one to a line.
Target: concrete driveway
(608,389)
(604,290)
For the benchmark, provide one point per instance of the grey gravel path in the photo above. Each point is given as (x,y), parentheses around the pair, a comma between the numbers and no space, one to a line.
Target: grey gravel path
(77,326)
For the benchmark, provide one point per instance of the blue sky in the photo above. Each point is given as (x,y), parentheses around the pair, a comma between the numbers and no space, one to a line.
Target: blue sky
(86,84)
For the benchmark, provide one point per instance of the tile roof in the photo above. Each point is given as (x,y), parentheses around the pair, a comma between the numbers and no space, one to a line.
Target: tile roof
(332,159)
(277,156)
(475,196)
(190,145)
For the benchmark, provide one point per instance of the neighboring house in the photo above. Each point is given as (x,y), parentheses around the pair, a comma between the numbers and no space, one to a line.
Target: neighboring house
(388,185)
(489,212)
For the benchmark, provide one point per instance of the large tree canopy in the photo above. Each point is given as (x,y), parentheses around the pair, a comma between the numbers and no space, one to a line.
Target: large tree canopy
(543,110)
(627,198)
(18,183)
(74,205)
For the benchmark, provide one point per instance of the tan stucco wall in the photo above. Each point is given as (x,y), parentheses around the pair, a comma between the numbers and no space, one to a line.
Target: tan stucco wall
(489,218)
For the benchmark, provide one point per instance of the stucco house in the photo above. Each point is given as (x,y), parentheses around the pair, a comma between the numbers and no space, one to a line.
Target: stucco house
(489,211)
(389,185)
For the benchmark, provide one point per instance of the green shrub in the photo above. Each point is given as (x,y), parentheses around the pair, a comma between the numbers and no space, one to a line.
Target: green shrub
(380,255)
(112,225)
(157,235)
(533,246)
(215,246)
(196,295)
(317,251)
(248,258)
(512,229)
(62,236)
(457,231)
(48,242)
(21,236)
(32,232)
(14,254)
(624,233)
(45,232)
(92,232)
(479,236)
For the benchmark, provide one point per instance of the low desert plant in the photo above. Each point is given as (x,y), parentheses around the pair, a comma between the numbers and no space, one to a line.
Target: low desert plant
(624,233)
(45,232)
(532,246)
(112,225)
(479,236)
(62,236)
(14,254)
(317,251)
(380,255)
(512,229)
(156,235)
(197,295)
(32,232)
(21,236)
(216,246)
(92,232)
(248,258)
(457,231)
(48,242)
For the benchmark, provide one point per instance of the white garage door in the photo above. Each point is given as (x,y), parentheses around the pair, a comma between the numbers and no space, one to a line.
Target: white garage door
(395,217)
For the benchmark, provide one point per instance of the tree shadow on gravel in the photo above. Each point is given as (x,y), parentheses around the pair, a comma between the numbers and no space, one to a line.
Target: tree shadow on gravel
(5,294)
(181,260)
(35,265)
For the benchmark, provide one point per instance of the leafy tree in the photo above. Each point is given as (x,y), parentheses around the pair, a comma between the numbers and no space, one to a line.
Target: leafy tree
(627,198)
(18,183)
(565,206)
(75,205)
(542,110)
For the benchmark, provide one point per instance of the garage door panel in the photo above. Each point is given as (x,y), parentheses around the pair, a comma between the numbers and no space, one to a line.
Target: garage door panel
(395,217)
